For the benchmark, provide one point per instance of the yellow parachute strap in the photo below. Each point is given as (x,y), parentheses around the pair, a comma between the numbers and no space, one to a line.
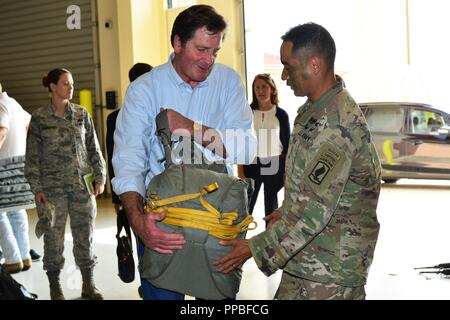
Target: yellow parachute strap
(154,203)
(217,224)
(205,220)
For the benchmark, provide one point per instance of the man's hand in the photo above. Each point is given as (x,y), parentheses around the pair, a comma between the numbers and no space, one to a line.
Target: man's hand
(40,198)
(3,133)
(236,258)
(273,217)
(208,137)
(156,239)
(145,226)
(179,124)
(241,173)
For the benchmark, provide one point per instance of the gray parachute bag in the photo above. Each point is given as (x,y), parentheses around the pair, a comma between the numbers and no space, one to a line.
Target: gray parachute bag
(190,270)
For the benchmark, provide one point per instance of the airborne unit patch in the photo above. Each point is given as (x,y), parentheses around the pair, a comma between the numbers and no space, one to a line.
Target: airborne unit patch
(324,162)
(319,172)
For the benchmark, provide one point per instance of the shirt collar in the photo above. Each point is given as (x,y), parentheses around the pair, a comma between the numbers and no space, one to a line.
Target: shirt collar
(51,109)
(328,95)
(338,87)
(176,77)
(173,73)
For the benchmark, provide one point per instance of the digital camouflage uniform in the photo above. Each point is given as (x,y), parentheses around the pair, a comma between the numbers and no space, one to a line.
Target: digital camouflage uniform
(328,229)
(60,151)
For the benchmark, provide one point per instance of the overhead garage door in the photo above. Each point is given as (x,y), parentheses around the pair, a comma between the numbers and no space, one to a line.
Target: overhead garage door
(35,38)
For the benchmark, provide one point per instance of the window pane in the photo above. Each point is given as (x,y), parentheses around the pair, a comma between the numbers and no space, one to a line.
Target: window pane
(181,3)
(385,120)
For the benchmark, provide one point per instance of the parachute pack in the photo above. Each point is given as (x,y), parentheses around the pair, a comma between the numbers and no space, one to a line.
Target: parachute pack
(206,205)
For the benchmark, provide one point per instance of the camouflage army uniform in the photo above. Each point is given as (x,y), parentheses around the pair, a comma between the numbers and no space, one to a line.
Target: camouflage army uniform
(328,229)
(60,151)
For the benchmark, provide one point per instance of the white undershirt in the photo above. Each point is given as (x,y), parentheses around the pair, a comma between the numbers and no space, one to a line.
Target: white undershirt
(267,127)
(16,119)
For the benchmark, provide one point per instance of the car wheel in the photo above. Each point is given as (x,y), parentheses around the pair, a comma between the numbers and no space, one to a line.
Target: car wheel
(389,180)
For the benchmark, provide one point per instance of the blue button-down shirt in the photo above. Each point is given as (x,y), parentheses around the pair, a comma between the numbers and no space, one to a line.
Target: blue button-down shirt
(218,102)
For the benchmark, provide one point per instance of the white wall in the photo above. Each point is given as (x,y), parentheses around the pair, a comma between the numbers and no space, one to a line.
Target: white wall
(371,41)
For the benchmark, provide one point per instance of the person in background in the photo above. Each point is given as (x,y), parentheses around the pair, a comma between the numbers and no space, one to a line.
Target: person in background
(272,131)
(200,96)
(14,238)
(135,72)
(62,153)
(324,235)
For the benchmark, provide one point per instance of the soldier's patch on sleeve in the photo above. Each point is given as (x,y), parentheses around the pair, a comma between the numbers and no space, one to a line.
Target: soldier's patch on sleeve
(319,172)
(322,170)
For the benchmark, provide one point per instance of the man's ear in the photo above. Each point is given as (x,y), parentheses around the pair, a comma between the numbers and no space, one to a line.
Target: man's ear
(176,44)
(316,65)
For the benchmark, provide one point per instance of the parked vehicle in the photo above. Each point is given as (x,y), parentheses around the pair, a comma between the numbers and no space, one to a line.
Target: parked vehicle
(412,139)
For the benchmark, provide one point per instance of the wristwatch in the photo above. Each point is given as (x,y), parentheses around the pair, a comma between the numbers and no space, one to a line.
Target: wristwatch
(196,129)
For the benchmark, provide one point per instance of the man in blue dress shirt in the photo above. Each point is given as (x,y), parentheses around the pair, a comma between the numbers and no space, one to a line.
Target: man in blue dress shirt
(204,100)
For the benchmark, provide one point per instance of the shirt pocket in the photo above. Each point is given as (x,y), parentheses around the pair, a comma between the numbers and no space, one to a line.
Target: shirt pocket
(80,132)
(52,136)
(293,156)
(215,119)
(301,140)
(55,144)
(80,136)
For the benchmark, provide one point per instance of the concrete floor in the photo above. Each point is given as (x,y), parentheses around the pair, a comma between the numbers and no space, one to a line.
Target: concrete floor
(414,218)
(414,232)
(107,281)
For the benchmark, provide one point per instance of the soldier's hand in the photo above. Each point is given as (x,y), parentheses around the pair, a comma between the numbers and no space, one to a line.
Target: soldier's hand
(272,218)
(40,198)
(156,239)
(236,258)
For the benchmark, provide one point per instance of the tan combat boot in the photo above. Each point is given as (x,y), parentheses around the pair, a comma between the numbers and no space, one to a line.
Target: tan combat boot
(55,286)
(89,290)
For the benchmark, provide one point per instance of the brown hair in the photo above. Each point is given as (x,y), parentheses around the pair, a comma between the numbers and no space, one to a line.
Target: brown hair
(274,96)
(194,18)
(53,77)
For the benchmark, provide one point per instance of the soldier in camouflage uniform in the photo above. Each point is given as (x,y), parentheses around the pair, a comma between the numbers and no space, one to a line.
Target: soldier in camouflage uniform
(62,148)
(324,234)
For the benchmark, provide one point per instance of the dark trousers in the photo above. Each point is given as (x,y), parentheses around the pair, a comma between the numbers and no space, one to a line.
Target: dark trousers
(270,172)
(149,291)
